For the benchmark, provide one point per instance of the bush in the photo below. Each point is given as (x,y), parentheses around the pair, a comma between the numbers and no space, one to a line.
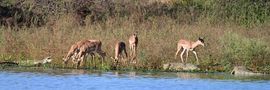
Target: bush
(239,50)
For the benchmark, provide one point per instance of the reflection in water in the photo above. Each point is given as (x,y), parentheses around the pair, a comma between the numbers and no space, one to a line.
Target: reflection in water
(116,73)
(187,75)
(78,71)
(132,74)
(68,79)
(219,76)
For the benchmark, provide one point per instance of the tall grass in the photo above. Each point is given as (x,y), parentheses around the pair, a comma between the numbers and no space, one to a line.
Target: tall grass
(157,42)
(239,50)
(160,26)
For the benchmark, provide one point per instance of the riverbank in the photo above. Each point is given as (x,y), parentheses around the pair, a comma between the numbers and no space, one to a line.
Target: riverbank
(105,66)
(226,46)
(132,73)
(232,38)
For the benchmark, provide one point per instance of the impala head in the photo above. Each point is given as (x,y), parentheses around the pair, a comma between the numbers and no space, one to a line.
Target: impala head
(47,60)
(201,41)
(135,34)
(114,59)
(65,60)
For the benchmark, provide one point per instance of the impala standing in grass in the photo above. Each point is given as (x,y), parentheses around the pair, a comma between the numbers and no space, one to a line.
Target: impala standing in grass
(187,46)
(120,48)
(90,47)
(133,44)
(73,51)
(78,48)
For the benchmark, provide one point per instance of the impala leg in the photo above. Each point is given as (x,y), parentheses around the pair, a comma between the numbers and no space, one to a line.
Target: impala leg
(131,50)
(135,50)
(101,53)
(102,57)
(78,64)
(125,51)
(182,55)
(126,58)
(74,56)
(74,62)
(178,49)
(176,53)
(80,61)
(83,61)
(79,57)
(132,53)
(92,58)
(73,59)
(187,55)
(196,56)
(103,60)
(121,56)
(119,59)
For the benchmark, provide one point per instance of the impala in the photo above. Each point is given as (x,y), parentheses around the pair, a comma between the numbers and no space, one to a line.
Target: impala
(187,46)
(89,48)
(73,51)
(133,43)
(120,48)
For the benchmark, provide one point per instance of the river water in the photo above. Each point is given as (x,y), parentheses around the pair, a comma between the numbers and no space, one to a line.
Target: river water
(70,79)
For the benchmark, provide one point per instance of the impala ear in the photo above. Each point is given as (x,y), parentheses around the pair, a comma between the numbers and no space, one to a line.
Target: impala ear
(201,39)
(136,33)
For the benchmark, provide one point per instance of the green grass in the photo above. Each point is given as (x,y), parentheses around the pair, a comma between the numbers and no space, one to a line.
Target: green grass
(239,50)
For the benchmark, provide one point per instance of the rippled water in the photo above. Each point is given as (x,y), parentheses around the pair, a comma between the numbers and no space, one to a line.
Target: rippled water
(67,79)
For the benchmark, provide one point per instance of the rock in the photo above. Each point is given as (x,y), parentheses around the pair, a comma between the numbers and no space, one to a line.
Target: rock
(180,67)
(242,71)
(166,66)
(44,61)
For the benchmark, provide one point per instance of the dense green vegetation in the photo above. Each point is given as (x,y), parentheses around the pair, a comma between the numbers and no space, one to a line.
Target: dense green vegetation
(236,31)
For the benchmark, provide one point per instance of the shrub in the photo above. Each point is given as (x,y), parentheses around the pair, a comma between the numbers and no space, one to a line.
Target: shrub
(239,50)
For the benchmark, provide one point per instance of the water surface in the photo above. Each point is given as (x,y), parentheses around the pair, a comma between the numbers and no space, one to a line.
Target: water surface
(69,79)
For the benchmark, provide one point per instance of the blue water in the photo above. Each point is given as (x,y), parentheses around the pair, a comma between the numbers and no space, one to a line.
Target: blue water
(97,80)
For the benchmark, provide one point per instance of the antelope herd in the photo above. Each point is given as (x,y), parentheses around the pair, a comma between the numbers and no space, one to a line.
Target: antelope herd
(80,50)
